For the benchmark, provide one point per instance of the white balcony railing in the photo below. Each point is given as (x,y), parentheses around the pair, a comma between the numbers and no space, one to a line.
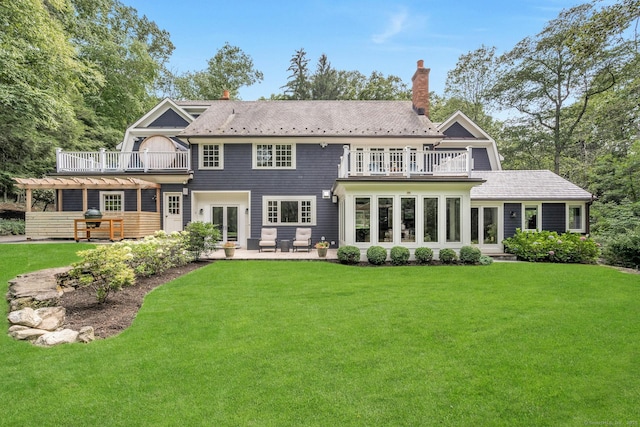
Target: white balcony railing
(117,161)
(403,162)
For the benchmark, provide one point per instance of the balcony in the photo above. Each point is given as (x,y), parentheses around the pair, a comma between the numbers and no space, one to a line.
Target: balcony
(118,161)
(404,162)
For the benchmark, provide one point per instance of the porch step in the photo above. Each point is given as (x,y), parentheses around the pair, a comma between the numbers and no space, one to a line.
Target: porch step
(503,257)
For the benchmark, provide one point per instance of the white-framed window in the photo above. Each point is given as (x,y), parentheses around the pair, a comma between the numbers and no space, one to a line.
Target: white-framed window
(274,156)
(531,218)
(211,156)
(289,210)
(112,201)
(576,218)
(453,218)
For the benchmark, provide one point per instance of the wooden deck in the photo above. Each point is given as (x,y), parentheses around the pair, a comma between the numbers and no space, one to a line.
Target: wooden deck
(60,225)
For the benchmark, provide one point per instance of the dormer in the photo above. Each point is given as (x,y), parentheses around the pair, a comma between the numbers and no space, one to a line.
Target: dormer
(461,132)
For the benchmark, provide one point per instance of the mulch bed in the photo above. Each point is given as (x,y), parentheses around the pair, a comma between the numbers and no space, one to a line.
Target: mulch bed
(118,312)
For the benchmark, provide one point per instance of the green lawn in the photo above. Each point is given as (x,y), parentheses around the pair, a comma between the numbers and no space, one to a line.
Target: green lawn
(319,344)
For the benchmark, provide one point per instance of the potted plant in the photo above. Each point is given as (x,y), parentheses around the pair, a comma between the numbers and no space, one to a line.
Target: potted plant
(229,249)
(322,248)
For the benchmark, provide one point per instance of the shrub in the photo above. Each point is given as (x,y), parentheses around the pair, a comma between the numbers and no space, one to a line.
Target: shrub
(549,246)
(201,237)
(423,255)
(349,255)
(623,250)
(448,256)
(485,260)
(470,255)
(106,269)
(376,255)
(157,253)
(11,227)
(399,255)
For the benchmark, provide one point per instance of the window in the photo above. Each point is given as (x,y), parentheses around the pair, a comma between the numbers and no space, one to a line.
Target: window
(490,226)
(211,156)
(274,156)
(531,217)
(363,219)
(576,218)
(430,219)
(385,219)
(112,201)
(408,219)
(453,219)
(289,210)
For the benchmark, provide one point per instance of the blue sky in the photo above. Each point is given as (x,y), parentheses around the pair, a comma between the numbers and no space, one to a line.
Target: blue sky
(371,35)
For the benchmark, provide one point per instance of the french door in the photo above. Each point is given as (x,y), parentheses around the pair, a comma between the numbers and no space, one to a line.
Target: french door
(226,218)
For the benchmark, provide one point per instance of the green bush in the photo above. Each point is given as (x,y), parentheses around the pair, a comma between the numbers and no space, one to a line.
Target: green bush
(10,227)
(349,255)
(157,253)
(201,237)
(376,255)
(470,255)
(623,250)
(423,255)
(485,260)
(448,256)
(106,269)
(549,246)
(399,255)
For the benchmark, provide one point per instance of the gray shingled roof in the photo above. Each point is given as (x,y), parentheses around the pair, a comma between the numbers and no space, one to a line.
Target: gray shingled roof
(311,118)
(526,185)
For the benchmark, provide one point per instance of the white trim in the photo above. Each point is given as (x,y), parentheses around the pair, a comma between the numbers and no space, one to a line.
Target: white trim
(111,193)
(279,199)
(220,156)
(583,219)
(523,221)
(254,155)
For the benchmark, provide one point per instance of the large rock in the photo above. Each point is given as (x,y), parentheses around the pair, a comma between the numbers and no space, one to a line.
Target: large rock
(40,285)
(24,333)
(52,317)
(25,317)
(64,336)
(86,334)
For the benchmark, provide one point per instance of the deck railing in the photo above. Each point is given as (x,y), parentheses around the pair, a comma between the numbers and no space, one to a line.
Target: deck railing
(118,161)
(403,162)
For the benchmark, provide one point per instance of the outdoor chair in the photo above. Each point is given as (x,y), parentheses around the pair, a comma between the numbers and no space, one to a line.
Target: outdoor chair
(268,239)
(302,239)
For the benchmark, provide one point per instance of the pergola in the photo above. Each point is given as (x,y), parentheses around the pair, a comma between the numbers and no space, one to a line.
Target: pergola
(84,184)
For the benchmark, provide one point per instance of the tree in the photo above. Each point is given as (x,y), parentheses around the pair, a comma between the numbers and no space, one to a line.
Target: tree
(471,81)
(299,83)
(324,83)
(40,81)
(543,75)
(229,69)
(378,87)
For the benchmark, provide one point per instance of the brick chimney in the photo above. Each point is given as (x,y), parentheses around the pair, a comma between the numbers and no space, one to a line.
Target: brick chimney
(420,89)
(225,95)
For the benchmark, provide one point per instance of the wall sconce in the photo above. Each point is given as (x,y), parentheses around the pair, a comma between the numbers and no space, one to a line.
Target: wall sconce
(334,199)
(201,211)
(246,211)
(185,191)
(323,144)
(154,197)
(326,194)
(512,214)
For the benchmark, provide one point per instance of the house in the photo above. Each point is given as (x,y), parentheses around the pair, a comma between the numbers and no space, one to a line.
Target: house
(357,172)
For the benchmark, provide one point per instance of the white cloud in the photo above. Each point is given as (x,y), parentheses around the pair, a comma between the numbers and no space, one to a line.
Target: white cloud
(398,22)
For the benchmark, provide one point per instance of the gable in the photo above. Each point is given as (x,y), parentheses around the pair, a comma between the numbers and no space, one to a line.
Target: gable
(169,119)
(456,130)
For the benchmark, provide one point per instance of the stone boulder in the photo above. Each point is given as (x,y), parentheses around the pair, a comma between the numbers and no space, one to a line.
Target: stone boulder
(25,333)
(52,317)
(25,317)
(64,336)
(86,334)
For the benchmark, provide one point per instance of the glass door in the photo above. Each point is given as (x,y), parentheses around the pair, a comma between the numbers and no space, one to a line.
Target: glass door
(226,218)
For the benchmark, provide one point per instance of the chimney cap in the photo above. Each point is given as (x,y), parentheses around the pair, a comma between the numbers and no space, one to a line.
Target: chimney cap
(420,63)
